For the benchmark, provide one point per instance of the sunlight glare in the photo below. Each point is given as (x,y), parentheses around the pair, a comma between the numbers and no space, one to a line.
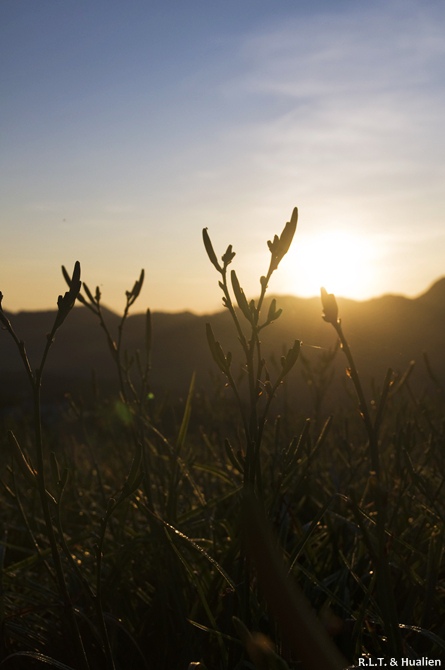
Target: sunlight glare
(343,262)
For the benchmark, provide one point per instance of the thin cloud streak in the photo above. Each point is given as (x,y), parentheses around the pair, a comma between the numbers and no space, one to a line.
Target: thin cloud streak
(360,107)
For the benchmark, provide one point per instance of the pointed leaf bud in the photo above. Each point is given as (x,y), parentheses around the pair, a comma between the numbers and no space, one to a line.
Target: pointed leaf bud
(330,308)
(88,292)
(217,353)
(228,257)
(240,296)
(291,357)
(134,293)
(209,248)
(273,313)
(280,245)
(66,303)
(288,233)
(273,246)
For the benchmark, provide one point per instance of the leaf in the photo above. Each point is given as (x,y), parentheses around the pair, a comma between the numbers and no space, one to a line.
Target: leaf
(66,303)
(217,353)
(228,257)
(273,246)
(134,293)
(280,245)
(273,313)
(26,468)
(186,416)
(291,358)
(88,292)
(330,308)
(288,233)
(209,248)
(240,297)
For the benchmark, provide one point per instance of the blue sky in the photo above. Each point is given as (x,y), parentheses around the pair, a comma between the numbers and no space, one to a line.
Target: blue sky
(126,127)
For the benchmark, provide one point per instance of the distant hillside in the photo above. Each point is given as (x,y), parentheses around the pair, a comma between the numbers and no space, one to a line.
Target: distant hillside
(384,332)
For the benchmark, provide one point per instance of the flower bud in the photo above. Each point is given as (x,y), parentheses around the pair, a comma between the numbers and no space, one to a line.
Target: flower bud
(209,248)
(330,307)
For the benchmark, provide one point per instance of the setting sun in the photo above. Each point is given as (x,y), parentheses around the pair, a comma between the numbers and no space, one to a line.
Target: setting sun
(343,262)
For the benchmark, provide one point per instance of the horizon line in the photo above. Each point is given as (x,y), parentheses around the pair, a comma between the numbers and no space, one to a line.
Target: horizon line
(216,310)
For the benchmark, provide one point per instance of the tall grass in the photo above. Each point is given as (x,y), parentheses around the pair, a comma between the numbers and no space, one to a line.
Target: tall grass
(132,541)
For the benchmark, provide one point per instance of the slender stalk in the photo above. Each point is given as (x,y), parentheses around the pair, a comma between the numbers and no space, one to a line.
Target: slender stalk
(382,567)
(372,437)
(98,600)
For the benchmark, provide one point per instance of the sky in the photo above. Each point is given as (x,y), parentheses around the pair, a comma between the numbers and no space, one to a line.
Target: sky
(128,126)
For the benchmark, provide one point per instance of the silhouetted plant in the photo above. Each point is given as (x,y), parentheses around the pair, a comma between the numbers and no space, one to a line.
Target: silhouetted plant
(122,361)
(260,385)
(36,475)
(379,554)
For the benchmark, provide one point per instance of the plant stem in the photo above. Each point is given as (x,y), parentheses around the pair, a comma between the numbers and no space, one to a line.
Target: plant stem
(384,583)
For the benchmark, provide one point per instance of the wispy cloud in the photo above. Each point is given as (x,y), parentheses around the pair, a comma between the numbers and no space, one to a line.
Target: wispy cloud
(349,106)
(382,47)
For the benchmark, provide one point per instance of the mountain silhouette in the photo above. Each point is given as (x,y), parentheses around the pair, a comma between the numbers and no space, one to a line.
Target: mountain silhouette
(389,331)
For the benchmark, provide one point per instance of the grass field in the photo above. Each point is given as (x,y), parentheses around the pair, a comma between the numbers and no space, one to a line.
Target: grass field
(214,533)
